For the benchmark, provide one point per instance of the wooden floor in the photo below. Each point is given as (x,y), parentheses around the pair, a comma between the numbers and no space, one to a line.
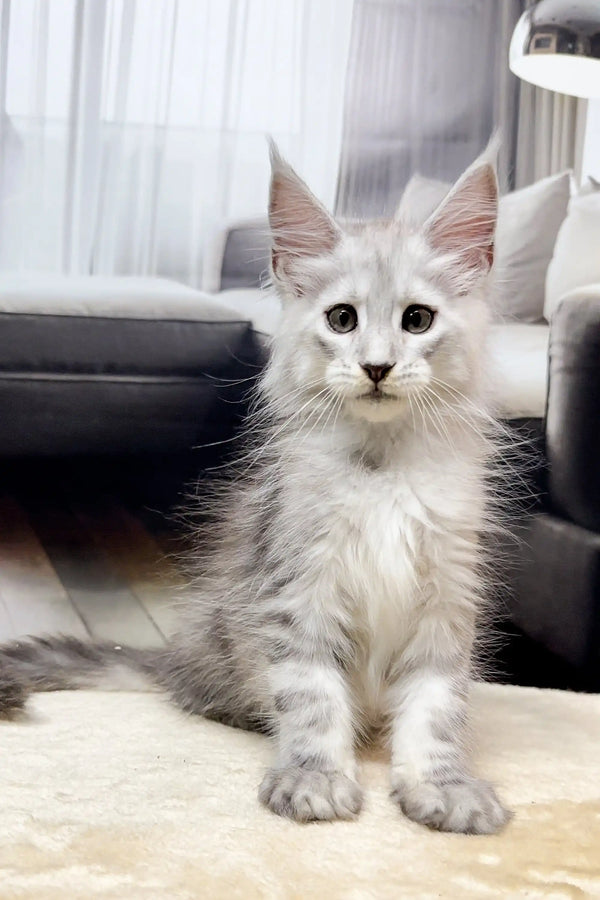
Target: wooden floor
(90,551)
(83,563)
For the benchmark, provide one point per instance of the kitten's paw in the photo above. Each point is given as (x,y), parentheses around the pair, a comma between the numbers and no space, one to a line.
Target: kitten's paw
(306,795)
(470,806)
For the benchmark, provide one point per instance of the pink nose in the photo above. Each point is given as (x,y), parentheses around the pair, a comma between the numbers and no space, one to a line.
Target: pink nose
(377,373)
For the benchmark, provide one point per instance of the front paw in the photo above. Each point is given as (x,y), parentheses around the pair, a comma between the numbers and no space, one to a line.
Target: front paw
(470,806)
(306,795)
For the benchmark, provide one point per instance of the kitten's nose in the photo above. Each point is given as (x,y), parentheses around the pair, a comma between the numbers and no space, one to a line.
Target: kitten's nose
(377,373)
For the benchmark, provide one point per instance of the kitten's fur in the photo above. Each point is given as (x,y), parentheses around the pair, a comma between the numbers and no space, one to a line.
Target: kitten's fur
(344,582)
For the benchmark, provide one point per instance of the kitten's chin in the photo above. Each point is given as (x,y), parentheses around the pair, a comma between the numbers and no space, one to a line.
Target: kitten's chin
(370,409)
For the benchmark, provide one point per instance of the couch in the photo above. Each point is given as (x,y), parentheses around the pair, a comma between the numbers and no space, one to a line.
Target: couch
(120,365)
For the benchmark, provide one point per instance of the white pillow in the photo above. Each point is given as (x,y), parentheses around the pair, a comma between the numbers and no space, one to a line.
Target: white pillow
(528,223)
(589,185)
(421,196)
(576,258)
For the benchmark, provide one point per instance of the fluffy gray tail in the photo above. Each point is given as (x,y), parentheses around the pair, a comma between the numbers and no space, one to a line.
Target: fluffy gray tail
(66,663)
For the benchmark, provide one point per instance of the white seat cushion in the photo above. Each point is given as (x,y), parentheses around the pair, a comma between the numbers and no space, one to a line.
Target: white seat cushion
(520,367)
(124,297)
(261,307)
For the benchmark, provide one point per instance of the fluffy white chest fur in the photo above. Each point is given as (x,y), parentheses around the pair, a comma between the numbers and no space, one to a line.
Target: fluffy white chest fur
(388,543)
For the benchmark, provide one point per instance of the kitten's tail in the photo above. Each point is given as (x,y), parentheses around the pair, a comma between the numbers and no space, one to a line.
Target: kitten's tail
(66,663)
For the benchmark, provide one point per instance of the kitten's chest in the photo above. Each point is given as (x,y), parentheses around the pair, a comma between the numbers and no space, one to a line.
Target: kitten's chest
(381,526)
(372,542)
(383,534)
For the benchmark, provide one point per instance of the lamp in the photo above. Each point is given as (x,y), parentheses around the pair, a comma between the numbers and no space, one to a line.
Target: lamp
(556,45)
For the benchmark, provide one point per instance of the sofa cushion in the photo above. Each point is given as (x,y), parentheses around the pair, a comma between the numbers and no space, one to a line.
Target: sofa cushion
(519,362)
(421,198)
(261,307)
(113,325)
(528,223)
(90,364)
(576,258)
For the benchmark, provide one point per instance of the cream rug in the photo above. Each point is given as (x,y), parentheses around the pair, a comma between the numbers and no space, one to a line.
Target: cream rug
(121,796)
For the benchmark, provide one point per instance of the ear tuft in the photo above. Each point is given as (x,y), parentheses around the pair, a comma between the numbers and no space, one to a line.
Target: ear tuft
(465,222)
(300,225)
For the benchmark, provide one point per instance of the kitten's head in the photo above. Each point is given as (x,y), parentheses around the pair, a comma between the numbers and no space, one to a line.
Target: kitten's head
(378,315)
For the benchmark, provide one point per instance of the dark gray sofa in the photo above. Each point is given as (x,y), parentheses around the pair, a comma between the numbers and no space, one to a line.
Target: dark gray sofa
(118,366)
(160,376)
(555,596)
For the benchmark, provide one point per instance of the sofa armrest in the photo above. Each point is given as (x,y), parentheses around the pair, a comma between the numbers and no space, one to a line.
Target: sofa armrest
(573,409)
(238,255)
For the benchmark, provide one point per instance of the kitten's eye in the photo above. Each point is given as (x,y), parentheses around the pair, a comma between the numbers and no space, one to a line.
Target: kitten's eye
(417,319)
(342,318)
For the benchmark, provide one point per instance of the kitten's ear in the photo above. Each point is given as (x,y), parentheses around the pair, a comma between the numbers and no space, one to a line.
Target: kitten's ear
(301,227)
(465,222)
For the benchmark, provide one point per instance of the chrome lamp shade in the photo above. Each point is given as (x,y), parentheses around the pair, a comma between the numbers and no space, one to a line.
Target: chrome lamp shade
(556,45)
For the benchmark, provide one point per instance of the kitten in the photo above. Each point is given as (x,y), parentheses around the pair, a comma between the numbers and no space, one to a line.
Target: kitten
(344,582)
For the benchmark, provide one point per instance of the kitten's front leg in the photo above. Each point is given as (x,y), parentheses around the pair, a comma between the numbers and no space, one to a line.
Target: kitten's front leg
(314,773)
(430,774)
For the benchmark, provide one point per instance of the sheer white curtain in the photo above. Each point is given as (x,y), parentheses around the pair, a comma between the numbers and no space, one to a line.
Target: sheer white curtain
(428,83)
(129,129)
(550,131)
(588,150)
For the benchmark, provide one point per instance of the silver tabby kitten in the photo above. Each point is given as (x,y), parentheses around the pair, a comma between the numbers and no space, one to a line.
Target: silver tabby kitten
(344,582)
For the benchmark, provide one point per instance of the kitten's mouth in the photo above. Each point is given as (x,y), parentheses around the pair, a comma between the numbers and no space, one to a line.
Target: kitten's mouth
(375,395)
(377,406)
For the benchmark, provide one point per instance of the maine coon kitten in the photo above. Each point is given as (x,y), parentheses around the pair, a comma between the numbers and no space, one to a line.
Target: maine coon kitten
(343,585)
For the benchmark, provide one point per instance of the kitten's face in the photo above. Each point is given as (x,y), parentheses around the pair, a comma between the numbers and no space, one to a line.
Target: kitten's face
(378,321)
(386,330)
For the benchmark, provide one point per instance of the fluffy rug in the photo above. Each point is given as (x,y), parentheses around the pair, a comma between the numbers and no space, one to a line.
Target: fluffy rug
(121,796)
